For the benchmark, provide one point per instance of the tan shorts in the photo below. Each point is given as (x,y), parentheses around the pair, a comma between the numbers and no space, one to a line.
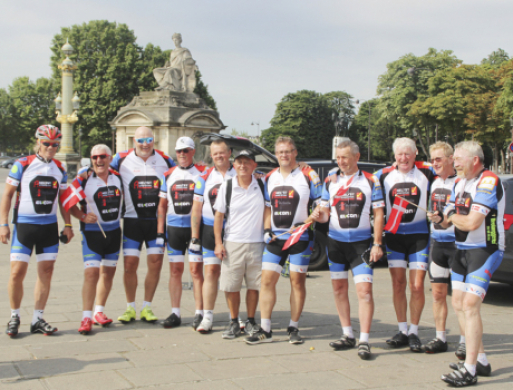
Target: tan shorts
(243,261)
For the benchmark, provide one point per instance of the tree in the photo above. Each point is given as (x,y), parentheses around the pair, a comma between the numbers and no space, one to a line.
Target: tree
(307,117)
(112,69)
(237,133)
(496,58)
(400,90)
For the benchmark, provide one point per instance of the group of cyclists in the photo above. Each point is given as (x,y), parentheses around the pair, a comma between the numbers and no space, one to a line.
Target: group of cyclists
(451,228)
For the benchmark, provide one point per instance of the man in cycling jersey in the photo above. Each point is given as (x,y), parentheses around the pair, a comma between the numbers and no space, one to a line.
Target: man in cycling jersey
(140,170)
(37,181)
(476,209)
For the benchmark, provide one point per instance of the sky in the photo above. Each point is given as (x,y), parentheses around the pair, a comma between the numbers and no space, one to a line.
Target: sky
(252,53)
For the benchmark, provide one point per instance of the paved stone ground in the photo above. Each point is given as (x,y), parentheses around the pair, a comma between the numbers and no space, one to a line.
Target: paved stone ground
(146,356)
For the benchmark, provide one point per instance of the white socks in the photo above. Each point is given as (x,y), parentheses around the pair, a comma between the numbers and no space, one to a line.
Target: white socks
(98,309)
(294,324)
(440,335)
(414,329)
(131,304)
(481,358)
(348,331)
(403,327)
(176,310)
(38,314)
(364,338)
(462,339)
(208,315)
(471,368)
(199,312)
(15,312)
(265,325)
(145,303)
(87,314)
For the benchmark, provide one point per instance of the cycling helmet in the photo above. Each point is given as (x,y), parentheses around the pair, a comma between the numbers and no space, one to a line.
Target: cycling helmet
(49,132)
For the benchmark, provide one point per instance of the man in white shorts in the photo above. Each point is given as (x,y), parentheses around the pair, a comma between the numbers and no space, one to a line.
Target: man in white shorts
(241,199)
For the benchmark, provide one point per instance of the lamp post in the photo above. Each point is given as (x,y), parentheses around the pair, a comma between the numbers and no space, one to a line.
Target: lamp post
(368,128)
(113,129)
(66,109)
(80,133)
(258,127)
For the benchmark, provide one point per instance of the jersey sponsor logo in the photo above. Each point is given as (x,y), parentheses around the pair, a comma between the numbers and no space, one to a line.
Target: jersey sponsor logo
(198,185)
(349,209)
(182,194)
(12,181)
(462,206)
(285,201)
(43,192)
(488,273)
(414,190)
(156,183)
(108,201)
(212,196)
(487,183)
(144,195)
(479,278)
(14,169)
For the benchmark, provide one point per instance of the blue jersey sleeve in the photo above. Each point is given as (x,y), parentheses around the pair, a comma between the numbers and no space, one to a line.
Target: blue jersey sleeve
(486,192)
(16,171)
(115,162)
(163,185)
(315,185)
(325,193)
(266,194)
(377,191)
(199,187)
(171,162)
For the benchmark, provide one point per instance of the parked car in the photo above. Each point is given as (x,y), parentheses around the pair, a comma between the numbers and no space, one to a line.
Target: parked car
(504,273)
(267,161)
(10,161)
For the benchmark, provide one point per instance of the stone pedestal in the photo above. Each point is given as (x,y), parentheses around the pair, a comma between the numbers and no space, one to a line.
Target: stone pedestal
(71,162)
(171,115)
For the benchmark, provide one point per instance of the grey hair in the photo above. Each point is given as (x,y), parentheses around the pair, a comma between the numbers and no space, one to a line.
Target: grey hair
(349,144)
(472,148)
(404,142)
(103,147)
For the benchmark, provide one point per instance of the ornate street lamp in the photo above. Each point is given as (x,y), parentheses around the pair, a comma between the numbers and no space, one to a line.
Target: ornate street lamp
(67,106)
(113,129)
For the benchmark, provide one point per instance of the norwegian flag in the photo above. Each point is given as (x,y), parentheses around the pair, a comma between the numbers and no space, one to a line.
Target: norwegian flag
(341,192)
(396,215)
(72,195)
(296,235)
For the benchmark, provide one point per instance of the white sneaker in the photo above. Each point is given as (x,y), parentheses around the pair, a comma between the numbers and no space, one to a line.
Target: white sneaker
(205,326)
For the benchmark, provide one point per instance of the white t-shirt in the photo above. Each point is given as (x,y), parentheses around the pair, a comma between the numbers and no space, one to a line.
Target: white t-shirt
(245,223)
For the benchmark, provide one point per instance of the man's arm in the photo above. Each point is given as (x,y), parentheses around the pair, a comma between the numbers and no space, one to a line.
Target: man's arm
(379,221)
(68,230)
(267,218)
(5,206)
(219,250)
(161,216)
(467,223)
(197,208)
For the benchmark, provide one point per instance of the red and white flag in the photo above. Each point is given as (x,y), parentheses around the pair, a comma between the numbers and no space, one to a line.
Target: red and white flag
(341,192)
(398,209)
(296,235)
(73,194)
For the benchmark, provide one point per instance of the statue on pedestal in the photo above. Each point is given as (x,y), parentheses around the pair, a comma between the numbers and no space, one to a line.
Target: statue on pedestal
(178,73)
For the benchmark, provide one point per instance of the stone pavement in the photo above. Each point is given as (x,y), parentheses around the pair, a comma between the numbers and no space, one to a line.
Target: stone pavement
(146,356)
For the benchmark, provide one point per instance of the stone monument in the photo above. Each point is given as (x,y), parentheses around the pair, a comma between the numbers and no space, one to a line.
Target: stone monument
(173,110)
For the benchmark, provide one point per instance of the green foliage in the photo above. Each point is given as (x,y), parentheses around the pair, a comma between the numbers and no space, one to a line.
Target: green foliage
(242,133)
(202,91)
(308,118)
(496,58)
(26,106)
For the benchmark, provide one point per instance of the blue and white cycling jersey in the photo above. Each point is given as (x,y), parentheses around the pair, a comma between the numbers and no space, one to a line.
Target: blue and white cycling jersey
(38,183)
(177,186)
(440,195)
(414,186)
(483,194)
(206,189)
(290,198)
(350,218)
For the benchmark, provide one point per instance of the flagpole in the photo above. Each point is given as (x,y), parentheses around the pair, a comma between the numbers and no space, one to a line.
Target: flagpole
(413,204)
(98,222)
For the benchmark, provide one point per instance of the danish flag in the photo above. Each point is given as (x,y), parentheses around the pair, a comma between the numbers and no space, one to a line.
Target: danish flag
(296,235)
(341,192)
(73,194)
(398,209)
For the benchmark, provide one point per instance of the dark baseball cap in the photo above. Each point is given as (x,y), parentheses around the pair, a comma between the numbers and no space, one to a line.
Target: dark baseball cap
(245,153)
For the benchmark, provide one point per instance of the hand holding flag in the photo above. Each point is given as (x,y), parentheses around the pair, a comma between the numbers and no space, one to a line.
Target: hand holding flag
(296,235)
(73,194)
(398,209)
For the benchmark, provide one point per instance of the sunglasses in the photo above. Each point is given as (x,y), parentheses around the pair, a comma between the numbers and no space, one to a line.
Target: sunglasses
(148,140)
(99,156)
(48,144)
(434,160)
(184,151)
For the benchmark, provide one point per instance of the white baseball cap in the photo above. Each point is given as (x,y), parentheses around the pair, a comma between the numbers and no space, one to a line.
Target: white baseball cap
(184,143)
